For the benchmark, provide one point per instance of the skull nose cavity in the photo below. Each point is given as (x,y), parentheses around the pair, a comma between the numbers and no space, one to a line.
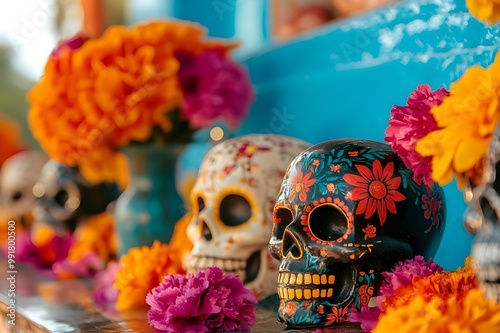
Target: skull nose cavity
(291,246)
(205,231)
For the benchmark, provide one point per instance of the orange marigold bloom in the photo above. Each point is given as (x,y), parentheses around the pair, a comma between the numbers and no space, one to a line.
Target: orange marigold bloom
(10,137)
(442,285)
(96,236)
(111,91)
(144,268)
(472,314)
(467,120)
(141,270)
(484,10)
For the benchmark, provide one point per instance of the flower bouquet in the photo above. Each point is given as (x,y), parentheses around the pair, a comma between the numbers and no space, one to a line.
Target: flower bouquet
(156,82)
(442,135)
(122,108)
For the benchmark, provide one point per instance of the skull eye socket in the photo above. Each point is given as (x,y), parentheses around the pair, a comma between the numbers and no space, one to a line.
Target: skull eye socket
(17,195)
(61,197)
(327,222)
(234,210)
(282,218)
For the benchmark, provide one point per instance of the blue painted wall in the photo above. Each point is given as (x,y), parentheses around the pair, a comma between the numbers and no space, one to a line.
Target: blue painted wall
(342,80)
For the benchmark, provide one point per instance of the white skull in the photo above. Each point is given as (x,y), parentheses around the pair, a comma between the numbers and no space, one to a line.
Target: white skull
(18,175)
(232,202)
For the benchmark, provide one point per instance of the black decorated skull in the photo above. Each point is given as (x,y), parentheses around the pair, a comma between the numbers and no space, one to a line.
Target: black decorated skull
(65,199)
(232,203)
(18,175)
(482,218)
(347,210)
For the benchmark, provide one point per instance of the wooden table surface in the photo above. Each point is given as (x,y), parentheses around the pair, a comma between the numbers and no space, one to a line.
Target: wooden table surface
(45,305)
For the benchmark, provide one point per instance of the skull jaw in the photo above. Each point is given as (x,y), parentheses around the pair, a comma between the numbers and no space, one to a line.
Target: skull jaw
(486,256)
(316,313)
(258,272)
(323,305)
(59,226)
(311,299)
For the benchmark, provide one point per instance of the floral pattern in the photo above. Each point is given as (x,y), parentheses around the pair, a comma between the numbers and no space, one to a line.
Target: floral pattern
(433,210)
(370,231)
(369,184)
(365,290)
(300,185)
(337,315)
(376,190)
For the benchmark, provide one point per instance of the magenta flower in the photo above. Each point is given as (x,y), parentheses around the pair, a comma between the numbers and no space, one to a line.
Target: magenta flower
(104,293)
(404,272)
(401,275)
(410,123)
(41,257)
(215,88)
(201,302)
(85,267)
(368,317)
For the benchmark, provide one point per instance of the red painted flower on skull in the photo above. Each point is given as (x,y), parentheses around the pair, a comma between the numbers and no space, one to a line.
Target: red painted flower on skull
(337,315)
(370,231)
(365,294)
(375,190)
(300,186)
(432,207)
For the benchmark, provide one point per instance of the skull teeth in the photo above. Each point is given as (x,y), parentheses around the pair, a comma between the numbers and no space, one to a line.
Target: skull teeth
(488,273)
(196,263)
(305,279)
(295,285)
(291,293)
(491,291)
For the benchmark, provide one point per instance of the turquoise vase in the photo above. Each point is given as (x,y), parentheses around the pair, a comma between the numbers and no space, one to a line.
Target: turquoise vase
(150,206)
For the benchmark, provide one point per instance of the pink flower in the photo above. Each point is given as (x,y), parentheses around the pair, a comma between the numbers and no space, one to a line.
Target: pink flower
(104,293)
(215,88)
(201,302)
(45,256)
(403,273)
(368,317)
(85,267)
(400,275)
(409,123)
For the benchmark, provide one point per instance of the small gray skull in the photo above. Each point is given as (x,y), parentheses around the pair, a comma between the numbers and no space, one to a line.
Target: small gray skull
(65,199)
(482,218)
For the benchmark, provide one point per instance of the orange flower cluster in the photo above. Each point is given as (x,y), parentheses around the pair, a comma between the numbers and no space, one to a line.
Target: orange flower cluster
(443,285)
(111,91)
(467,120)
(143,269)
(96,236)
(10,137)
(442,302)
(471,314)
